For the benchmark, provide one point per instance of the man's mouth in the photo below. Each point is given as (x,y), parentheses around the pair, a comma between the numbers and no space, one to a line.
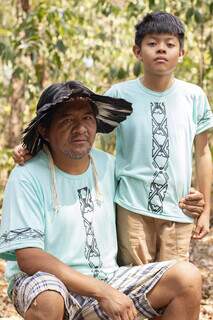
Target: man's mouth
(79,140)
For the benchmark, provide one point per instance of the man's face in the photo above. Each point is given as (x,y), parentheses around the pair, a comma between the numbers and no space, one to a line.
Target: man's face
(72,131)
(159,53)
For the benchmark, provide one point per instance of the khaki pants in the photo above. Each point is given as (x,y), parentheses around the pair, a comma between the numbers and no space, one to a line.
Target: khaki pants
(143,239)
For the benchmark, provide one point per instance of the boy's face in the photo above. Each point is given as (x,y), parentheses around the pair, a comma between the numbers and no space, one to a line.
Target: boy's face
(159,53)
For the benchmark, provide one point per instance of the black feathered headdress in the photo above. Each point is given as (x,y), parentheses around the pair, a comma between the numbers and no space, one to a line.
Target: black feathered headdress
(109,111)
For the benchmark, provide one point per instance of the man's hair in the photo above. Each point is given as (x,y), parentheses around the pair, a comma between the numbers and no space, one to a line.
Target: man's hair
(159,22)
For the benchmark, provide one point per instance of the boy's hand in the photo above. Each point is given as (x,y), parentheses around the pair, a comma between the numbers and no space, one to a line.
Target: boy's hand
(21,155)
(202,226)
(117,305)
(192,204)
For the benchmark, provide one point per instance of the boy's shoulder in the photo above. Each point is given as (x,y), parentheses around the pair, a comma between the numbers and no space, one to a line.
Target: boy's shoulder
(125,84)
(189,87)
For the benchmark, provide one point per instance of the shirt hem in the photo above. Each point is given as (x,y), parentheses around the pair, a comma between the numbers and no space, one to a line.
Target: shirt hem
(152,215)
(10,250)
(206,127)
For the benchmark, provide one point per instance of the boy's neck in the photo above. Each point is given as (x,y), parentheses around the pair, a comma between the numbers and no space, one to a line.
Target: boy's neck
(157,83)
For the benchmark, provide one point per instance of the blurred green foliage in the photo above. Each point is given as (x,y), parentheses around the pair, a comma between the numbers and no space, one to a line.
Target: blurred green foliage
(55,40)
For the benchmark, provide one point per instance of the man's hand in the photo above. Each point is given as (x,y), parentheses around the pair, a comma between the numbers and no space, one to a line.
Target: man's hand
(202,226)
(192,204)
(21,155)
(117,305)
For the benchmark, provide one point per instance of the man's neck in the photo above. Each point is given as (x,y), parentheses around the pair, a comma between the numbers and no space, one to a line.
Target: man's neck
(72,166)
(157,83)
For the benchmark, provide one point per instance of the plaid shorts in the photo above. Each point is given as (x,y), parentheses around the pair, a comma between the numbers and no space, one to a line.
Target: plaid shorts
(135,282)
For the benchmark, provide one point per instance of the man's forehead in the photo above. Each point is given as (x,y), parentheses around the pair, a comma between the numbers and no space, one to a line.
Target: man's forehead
(75,106)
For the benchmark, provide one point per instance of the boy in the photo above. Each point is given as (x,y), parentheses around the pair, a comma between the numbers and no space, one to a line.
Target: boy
(154,149)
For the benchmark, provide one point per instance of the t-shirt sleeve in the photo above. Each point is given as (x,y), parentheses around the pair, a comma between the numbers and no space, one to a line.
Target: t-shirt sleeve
(22,222)
(112,92)
(204,115)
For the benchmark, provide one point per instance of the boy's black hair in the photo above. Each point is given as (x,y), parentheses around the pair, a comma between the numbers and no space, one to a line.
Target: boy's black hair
(159,22)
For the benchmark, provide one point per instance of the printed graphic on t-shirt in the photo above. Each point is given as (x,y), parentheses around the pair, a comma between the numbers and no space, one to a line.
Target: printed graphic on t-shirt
(91,251)
(19,234)
(160,157)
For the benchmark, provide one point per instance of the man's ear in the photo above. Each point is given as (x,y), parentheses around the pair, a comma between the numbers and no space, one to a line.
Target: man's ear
(137,52)
(43,132)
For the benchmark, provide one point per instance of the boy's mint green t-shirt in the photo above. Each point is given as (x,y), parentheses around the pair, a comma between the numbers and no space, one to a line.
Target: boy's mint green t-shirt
(154,146)
(82,233)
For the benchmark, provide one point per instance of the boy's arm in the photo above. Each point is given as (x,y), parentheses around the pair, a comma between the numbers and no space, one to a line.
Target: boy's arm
(21,154)
(193,203)
(204,177)
(113,302)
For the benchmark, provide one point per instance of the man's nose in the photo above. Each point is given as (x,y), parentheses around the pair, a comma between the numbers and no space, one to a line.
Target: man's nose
(79,128)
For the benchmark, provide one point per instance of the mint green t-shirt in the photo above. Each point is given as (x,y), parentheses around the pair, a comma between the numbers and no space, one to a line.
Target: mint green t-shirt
(154,146)
(82,234)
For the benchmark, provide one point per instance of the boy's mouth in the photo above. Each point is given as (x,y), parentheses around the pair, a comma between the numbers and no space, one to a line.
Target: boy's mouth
(160,59)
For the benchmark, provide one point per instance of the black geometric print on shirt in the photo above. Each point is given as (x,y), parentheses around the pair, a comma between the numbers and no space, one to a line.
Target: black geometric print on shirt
(20,234)
(160,157)
(91,250)
(205,117)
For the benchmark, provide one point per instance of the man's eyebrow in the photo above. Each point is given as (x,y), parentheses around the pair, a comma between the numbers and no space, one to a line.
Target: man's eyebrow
(64,115)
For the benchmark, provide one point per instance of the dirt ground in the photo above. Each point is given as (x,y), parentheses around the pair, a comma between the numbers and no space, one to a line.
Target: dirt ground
(201,256)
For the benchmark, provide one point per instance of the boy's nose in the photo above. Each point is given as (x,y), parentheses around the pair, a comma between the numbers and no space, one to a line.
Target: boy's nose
(161,47)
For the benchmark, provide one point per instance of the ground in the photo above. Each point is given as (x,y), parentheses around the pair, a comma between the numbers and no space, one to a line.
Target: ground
(201,256)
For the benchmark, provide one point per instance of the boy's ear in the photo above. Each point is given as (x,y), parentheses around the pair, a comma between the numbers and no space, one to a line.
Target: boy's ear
(181,55)
(137,52)
(43,132)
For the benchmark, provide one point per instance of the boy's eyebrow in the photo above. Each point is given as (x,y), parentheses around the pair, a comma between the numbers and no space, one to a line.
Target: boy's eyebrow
(156,36)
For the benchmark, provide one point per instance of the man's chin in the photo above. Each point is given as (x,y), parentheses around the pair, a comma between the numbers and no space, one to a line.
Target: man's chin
(77,154)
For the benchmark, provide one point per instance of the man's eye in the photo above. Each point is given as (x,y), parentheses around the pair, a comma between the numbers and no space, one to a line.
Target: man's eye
(89,117)
(67,121)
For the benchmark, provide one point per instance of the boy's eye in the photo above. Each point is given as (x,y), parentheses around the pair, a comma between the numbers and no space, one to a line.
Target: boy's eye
(170,45)
(151,43)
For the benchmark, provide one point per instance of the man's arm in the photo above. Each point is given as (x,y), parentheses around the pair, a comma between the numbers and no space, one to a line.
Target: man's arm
(204,178)
(113,302)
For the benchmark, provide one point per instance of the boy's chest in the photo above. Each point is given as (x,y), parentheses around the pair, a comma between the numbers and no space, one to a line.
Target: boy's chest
(149,114)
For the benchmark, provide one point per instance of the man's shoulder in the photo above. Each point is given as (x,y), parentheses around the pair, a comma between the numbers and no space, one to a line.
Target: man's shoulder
(101,155)
(33,167)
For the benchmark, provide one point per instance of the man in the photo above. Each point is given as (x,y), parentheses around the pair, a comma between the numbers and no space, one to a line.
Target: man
(58,223)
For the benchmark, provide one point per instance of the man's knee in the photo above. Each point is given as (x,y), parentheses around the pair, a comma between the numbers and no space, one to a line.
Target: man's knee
(181,280)
(186,278)
(47,305)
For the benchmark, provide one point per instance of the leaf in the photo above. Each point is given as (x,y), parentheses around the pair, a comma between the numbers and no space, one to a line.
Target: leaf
(189,14)
(17,72)
(211,8)
(57,60)
(137,69)
(122,73)
(198,16)
(151,3)
(60,46)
